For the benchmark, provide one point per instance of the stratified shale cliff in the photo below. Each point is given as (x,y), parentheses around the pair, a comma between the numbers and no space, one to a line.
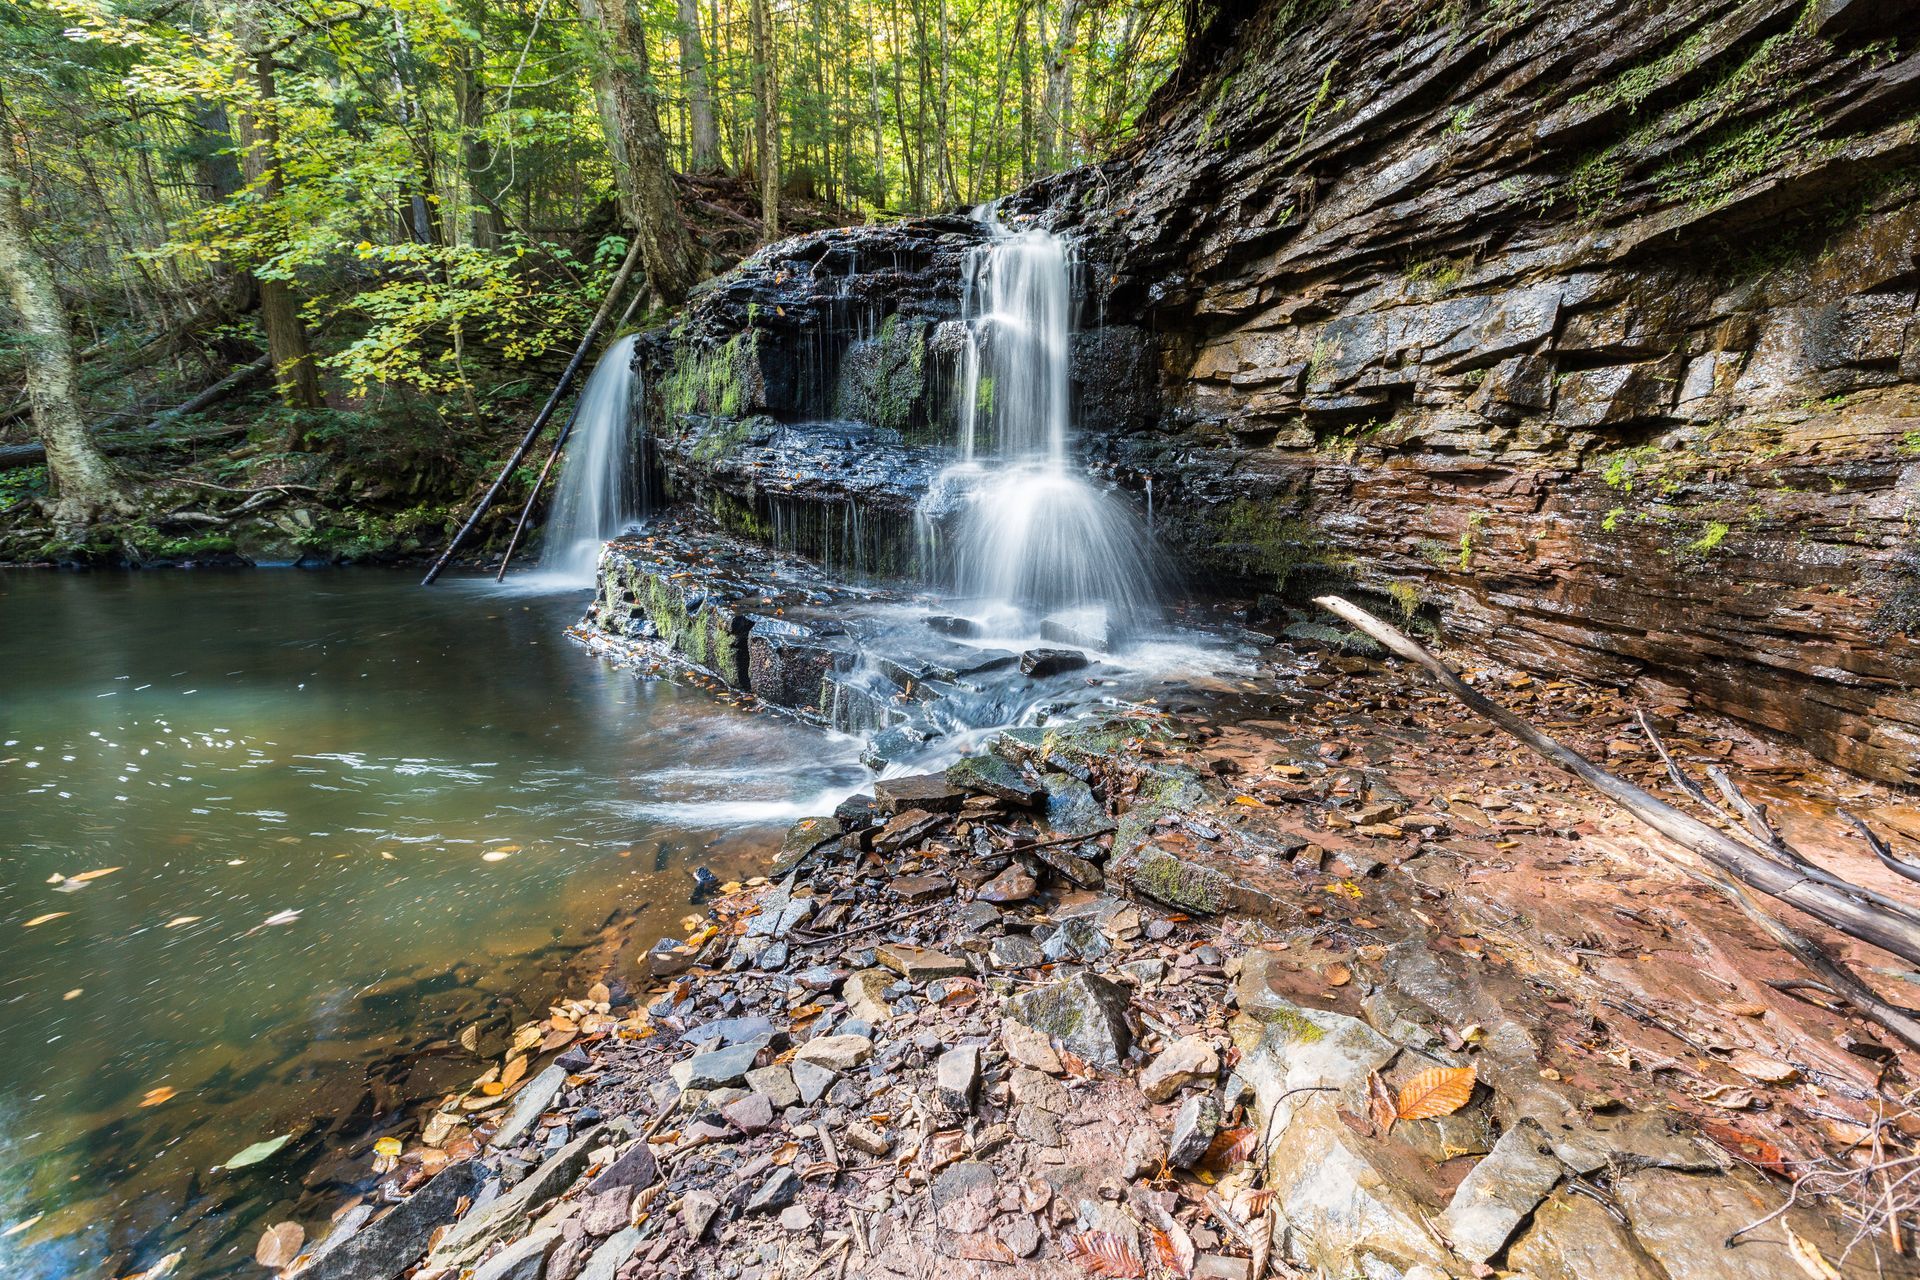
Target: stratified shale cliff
(1582,331)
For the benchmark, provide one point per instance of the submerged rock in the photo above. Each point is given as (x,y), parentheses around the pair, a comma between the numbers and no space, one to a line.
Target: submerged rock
(1041,663)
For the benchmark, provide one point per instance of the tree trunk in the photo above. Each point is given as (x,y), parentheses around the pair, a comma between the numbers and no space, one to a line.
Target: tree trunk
(693,67)
(476,152)
(766,105)
(1056,125)
(84,486)
(293,372)
(647,194)
(879,129)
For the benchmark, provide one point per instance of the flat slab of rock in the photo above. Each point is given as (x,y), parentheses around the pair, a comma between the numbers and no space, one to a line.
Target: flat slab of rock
(1500,1191)
(904,829)
(835,1053)
(386,1246)
(955,1076)
(993,776)
(717,1068)
(930,792)
(918,964)
(920,888)
(505,1216)
(1015,951)
(1086,1014)
(635,1167)
(606,1261)
(776,1084)
(524,1259)
(529,1105)
(1193,1128)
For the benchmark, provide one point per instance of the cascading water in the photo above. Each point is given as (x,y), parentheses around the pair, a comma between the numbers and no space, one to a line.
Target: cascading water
(1032,534)
(599,493)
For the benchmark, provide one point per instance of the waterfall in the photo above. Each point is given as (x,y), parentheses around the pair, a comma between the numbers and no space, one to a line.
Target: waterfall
(599,492)
(1031,533)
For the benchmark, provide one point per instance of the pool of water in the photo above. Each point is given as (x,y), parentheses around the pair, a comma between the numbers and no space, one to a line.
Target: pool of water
(269,839)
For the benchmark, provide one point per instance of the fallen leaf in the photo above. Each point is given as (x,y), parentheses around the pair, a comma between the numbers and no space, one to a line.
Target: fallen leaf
(279,1244)
(177,921)
(154,1097)
(1104,1253)
(1173,1246)
(1338,975)
(513,1071)
(20,1226)
(600,993)
(255,1153)
(1746,1146)
(495,855)
(85,876)
(1757,1066)
(40,920)
(1435,1092)
(164,1267)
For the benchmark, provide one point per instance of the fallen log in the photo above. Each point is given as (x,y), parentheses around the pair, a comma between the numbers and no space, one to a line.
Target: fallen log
(546,411)
(1844,909)
(33,455)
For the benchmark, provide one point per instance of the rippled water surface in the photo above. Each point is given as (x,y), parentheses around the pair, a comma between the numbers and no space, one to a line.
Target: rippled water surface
(337,816)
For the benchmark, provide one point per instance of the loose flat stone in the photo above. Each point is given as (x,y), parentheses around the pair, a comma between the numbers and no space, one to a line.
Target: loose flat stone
(926,791)
(955,1076)
(507,1214)
(606,1213)
(918,964)
(524,1259)
(718,1067)
(1011,885)
(905,829)
(720,1032)
(1500,1191)
(774,1083)
(635,1167)
(920,888)
(697,1210)
(1015,951)
(776,1193)
(964,1195)
(1188,1060)
(991,775)
(835,1053)
(750,1114)
(387,1246)
(811,1079)
(1193,1128)
(606,1261)
(529,1105)
(868,1139)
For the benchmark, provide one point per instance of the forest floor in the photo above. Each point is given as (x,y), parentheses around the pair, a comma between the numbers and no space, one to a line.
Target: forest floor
(380,477)
(1308,971)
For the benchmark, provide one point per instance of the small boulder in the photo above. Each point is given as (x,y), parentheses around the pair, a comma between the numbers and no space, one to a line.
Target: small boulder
(1193,1129)
(835,1053)
(1086,1014)
(994,776)
(1188,1060)
(776,1193)
(1041,663)
(956,1076)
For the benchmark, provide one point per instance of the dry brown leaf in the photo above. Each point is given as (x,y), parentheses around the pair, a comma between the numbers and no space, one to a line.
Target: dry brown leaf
(1435,1092)
(40,920)
(279,1244)
(1338,975)
(600,993)
(1104,1253)
(154,1097)
(515,1069)
(1173,1245)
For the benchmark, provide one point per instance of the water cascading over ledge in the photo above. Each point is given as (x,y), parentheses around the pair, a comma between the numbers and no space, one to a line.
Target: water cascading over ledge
(600,492)
(1030,535)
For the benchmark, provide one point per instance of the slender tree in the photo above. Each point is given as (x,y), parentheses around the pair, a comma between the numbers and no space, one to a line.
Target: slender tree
(1056,110)
(703,132)
(767,119)
(293,369)
(83,484)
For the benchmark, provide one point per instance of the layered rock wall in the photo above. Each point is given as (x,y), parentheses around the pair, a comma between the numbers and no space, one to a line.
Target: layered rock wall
(1585,331)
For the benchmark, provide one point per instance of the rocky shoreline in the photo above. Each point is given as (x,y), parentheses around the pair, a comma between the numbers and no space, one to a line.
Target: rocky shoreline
(1172,994)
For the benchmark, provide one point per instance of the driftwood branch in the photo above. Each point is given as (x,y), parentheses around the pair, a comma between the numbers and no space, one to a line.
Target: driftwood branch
(1841,909)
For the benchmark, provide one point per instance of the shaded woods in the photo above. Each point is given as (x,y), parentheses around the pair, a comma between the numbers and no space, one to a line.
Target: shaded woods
(310,259)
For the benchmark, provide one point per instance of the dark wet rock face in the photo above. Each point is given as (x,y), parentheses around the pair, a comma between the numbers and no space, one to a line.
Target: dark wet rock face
(1585,334)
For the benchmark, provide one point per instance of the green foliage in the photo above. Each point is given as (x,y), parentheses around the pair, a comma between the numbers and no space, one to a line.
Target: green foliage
(1474,522)
(22,485)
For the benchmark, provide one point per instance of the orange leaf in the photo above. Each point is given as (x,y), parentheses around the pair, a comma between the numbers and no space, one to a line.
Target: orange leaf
(1104,1254)
(1435,1092)
(1229,1147)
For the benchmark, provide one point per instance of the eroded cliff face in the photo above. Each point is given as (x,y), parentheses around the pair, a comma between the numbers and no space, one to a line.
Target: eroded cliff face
(1583,332)
(1584,329)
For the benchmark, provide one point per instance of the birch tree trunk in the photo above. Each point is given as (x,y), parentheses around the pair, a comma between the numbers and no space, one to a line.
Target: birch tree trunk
(1056,109)
(83,485)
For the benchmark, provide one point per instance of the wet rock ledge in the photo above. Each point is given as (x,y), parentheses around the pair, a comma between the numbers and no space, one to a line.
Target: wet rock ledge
(998,1021)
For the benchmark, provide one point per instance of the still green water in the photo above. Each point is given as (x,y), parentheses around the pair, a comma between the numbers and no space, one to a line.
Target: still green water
(292,781)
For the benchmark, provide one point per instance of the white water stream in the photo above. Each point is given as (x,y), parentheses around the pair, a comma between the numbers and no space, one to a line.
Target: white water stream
(599,493)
